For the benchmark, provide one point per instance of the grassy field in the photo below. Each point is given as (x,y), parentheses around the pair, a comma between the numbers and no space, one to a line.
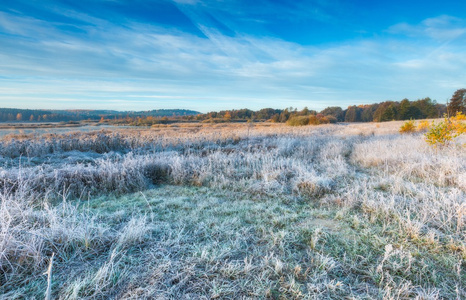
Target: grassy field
(233,211)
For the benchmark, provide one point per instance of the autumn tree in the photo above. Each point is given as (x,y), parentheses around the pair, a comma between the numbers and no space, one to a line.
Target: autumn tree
(353,114)
(385,112)
(334,111)
(368,111)
(457,102)
(284,116)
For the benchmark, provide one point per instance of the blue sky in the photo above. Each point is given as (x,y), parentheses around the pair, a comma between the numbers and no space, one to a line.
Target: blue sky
(213,55)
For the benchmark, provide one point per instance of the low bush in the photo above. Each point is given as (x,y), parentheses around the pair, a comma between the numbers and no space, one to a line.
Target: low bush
(459,117)
(298,121)
(308,120)
(408,127)
(423,126)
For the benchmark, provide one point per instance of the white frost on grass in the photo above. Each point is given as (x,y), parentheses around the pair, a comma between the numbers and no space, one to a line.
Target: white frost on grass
(378,184)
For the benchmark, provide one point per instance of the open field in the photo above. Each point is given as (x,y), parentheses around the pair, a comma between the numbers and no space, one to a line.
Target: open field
(31,129)
(233,211)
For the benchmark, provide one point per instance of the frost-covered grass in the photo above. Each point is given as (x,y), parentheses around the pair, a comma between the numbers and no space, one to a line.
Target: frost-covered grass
(233,211)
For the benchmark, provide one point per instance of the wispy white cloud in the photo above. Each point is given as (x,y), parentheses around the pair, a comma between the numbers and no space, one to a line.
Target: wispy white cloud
(442,28)
(141,66)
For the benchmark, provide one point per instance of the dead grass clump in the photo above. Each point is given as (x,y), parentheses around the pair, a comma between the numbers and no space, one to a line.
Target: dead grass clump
(313,190)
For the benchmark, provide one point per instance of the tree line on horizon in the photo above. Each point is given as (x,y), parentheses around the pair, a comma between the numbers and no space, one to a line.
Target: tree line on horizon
(378,112)
(43,115)
(425,108)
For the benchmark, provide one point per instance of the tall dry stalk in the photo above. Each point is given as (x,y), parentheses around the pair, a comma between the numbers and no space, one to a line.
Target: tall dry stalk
(48,292)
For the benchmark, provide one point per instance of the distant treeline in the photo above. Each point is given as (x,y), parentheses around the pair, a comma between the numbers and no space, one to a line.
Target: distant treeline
(378,112)
(39,115)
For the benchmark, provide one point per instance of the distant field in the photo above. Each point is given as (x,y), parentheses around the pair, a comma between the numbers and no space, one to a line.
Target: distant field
(232,211)
(20,129)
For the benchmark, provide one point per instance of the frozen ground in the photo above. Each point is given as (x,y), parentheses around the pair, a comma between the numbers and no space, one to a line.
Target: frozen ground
(235,211)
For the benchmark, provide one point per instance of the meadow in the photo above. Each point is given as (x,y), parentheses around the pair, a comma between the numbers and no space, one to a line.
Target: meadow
(232,211)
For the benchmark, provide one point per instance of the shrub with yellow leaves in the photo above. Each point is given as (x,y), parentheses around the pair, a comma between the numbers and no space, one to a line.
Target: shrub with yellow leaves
(447,130)
(408,127)
(423,126)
